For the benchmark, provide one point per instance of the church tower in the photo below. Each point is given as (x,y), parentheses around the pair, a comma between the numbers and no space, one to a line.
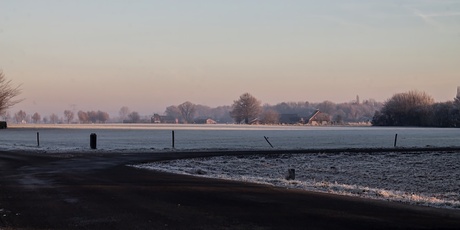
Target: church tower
(457,98)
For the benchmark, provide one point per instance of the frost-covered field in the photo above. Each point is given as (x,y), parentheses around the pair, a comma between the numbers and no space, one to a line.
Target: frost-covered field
(431,179)
(158,137)
(423,178)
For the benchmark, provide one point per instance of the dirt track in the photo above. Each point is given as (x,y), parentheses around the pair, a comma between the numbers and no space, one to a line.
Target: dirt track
(87,191)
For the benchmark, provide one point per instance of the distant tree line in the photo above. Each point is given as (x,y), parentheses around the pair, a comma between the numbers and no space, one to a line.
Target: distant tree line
(93,117)
(330,112)
(68,117)
(248,108)
(244,110)
(403,109)
(189,112)
(22,117)
(418,109)
(126,116)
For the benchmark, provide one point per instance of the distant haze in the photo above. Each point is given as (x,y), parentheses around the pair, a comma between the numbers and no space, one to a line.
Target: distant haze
(147,55)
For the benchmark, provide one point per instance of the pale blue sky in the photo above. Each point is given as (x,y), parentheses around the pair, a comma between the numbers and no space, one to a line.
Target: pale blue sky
(147,55)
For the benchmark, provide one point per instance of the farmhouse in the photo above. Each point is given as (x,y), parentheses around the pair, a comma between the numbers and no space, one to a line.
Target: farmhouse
(164,119)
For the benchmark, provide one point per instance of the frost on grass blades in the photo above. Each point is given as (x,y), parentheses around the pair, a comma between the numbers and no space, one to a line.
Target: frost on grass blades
(429,179)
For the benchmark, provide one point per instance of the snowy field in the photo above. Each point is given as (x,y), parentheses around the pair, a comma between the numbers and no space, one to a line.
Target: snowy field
(422,178)
(429,179)
(157,137)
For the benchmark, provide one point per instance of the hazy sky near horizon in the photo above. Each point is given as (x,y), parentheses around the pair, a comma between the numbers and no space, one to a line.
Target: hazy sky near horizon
(147,55)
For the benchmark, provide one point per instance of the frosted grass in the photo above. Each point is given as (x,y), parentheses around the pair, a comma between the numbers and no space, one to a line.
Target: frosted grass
(429,179)
(157,137)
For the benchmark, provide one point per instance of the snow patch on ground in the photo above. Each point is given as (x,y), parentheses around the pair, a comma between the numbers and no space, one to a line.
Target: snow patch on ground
(429,179)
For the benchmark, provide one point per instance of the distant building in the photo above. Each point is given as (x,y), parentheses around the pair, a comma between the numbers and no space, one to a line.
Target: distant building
(164,119)
(290,119)
(312,119)
(207,121)
(255,121)
(316,118)
(210,121)
(458,92)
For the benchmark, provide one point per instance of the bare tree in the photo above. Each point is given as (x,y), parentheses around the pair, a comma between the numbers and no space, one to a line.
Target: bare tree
(187,110)
(83,117)
(36,118)
(339,116)
(270,117)
(102,116)
(444,115)
(134,117)
(7,93)
(93,116)
(6,116)
(124,111)
(173,111)
(246,108)
(202,111)
(20,116)
(54,119)
(69,115)
(405,109)
(327,107)
(222,114)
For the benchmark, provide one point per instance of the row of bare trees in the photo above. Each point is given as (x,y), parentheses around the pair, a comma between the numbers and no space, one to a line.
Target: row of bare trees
(243,110)
(189,112)
(71,117)
(93,117)
(416,108)
(68,117)
(22,117)
(404,109)
(126,116)
(185,112)
(248,108)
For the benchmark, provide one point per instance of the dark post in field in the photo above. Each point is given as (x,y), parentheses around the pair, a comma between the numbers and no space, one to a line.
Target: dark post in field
(173,139)
(396,139)
(3,125)
(38,139)
(93,141)
(290,174)
(266,138)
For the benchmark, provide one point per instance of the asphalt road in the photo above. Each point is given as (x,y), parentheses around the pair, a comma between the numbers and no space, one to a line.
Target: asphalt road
(99,191)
